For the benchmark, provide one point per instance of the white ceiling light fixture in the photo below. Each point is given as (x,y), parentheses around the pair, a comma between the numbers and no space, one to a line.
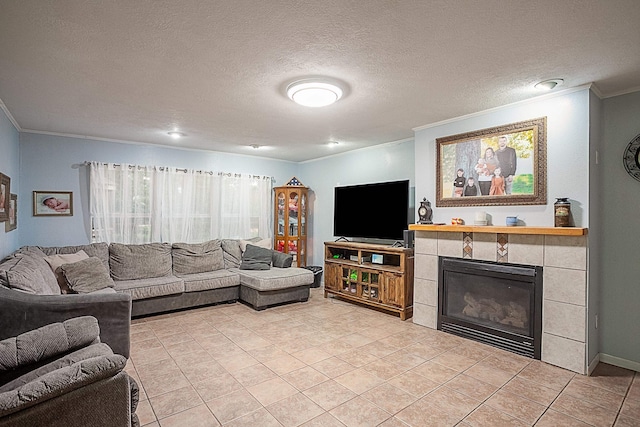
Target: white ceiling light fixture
(548,84)
(333,143)
(314,92)
(176,135)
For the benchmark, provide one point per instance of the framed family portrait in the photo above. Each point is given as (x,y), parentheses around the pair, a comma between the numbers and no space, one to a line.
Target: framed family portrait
(12,222)
(503,165)
(5,196)
(52,203)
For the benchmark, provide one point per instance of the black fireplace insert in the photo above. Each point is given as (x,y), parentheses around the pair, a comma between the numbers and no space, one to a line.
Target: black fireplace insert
(498,304)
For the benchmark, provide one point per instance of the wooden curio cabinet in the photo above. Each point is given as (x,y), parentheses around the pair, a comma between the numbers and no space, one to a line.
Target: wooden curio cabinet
(290,234)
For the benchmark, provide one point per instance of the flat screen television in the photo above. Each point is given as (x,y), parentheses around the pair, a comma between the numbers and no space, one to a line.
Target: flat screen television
(375,211)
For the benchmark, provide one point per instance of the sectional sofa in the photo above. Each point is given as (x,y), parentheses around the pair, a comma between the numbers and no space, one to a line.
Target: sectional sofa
(42,285)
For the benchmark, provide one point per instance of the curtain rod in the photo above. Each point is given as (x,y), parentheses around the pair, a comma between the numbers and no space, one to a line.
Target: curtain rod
(162,168)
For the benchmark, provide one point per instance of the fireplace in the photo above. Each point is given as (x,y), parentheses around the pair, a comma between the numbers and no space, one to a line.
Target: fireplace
(498,304)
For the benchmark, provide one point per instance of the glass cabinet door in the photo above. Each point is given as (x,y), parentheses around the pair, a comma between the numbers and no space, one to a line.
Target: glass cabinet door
(293,213)
(280,215)
(303,215)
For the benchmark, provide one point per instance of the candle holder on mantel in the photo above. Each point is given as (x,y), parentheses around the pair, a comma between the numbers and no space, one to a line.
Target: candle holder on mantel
(562,212)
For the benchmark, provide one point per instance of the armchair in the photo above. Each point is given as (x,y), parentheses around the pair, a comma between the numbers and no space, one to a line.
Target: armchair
(62,375)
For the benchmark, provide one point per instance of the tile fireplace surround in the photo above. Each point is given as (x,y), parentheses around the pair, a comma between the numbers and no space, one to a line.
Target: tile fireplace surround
(561,252)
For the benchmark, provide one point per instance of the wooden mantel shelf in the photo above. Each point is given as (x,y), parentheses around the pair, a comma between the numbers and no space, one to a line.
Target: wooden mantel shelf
(549,231)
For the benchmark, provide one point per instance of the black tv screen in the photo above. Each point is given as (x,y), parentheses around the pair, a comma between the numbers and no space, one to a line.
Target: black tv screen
(376,211)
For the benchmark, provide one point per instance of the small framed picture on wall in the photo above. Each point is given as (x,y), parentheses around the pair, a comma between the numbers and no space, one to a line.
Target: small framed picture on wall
(52,203)
(5,196)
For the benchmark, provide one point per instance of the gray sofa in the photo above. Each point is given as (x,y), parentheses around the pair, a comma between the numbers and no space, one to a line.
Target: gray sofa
(150,278)
(62,375)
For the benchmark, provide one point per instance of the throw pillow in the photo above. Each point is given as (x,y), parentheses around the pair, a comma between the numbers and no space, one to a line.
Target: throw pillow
(87,275)
(144,261)
(55,261)
(256,258)
(281,260)
(256,241)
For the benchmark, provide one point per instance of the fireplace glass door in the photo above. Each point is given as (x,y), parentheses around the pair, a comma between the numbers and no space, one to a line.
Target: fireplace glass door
(495,303)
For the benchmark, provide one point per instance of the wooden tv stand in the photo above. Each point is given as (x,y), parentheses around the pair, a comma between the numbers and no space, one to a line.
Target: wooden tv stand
(374,275)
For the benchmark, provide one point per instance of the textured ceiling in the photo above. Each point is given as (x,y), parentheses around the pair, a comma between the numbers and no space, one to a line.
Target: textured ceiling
(217,70)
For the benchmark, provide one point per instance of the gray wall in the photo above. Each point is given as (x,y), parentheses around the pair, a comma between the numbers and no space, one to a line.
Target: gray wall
(620,291)
(9,165)
(54,163)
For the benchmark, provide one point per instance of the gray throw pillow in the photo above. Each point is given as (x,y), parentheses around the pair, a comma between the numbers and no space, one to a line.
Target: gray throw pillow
(256,258)
(281,260)
(144,261)
(87,275)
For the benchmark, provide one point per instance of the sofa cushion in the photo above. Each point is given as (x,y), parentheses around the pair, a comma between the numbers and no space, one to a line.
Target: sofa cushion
(149,288)
(278,259)
(21,273)
(55,261)
(86,276)
(99,250)
(210,280)
(275,278)
(146,261)
(35,257)
(197,257)
(256,258)
(231,253)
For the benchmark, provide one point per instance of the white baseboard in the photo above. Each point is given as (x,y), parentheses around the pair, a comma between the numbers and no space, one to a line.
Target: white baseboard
(617,361)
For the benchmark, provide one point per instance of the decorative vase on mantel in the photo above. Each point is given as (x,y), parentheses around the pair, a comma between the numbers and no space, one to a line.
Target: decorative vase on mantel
(562,212)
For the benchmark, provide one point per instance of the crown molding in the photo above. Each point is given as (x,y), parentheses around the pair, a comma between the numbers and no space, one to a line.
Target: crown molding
(503,107)
(12,119)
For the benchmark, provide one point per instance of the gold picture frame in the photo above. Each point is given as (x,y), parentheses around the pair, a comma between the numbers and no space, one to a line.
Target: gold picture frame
(499,166)
(52,203)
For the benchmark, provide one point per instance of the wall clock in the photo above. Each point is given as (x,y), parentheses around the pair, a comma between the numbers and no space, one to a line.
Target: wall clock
(631,158)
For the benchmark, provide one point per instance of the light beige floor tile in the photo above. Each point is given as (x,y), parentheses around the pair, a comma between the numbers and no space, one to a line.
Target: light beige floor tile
(592,393)
(426,414)
(454,361)
(175,401)
(294,410)
(284,364)
(547,375)
(199,371)
(489,374)
(329,394)
(436,372)
(221,385)
(200,416)
(471,387)
(486,416)
(523,409)
(237,362)
(359,380)
(259,418)
(333,367)
(233,405)
(553,418)
(359,412)
(311,355)
(414,384)
(390,398)
(271,391)
(451,401)
(584,411)
(254,374)
(304,378)
(324,420)
(145,413)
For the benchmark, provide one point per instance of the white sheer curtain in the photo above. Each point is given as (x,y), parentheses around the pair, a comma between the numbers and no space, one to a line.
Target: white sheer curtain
(134,204)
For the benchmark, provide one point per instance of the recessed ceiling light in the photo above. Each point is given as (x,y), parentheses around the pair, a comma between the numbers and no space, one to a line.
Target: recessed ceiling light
(548,84)
(255,146)
(332,143)
(318,92)
(176,135)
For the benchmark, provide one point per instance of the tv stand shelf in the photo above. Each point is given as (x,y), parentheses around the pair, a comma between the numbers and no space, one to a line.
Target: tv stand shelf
(375,275)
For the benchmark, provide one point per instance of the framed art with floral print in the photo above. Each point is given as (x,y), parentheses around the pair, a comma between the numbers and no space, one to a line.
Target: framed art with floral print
(12,222)
(503,165)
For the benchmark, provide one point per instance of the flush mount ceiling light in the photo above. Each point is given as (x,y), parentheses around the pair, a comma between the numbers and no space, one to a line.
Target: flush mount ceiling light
(548,84)
(332,143)
(318,92)
(254,146)
(176,135)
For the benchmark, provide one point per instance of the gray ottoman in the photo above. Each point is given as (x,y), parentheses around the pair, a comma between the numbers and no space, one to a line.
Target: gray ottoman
(263,288)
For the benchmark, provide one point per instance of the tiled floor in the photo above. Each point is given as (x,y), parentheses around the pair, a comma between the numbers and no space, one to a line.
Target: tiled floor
(329,363)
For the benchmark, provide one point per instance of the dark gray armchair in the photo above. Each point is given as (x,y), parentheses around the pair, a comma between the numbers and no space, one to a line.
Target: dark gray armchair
(21,312)
(62,375)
